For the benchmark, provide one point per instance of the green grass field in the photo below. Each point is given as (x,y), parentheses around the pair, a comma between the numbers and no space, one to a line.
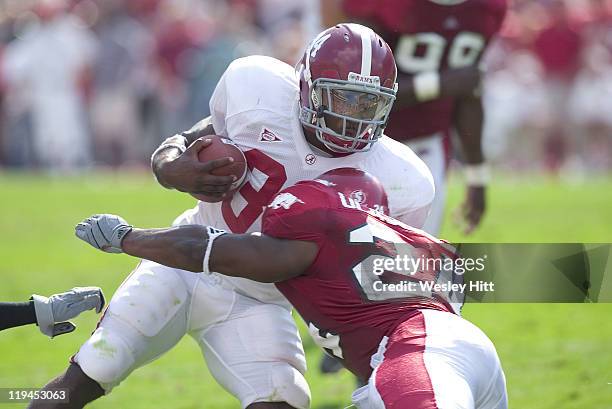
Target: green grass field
(554,355)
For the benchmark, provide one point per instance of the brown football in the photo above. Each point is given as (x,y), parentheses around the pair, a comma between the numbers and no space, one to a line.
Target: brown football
(222,147)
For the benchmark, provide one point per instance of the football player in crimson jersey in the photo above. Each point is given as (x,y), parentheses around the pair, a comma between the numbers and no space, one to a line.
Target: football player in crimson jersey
(320,241)
(292,124)
(438,46)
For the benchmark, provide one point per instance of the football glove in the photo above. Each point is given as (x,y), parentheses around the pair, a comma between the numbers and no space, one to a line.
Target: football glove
(103,231)
(53,313)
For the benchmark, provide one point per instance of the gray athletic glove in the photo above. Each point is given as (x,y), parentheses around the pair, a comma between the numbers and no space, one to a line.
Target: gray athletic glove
(103,231)
(53,313)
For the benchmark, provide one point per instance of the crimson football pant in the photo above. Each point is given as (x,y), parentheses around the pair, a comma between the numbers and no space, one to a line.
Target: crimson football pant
(434,360)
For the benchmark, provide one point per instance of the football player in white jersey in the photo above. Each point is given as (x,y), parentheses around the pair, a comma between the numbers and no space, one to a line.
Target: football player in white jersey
(292,124)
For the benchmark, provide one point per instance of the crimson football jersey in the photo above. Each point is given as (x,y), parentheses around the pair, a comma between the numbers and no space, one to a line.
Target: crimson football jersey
(340,296)
(426,36)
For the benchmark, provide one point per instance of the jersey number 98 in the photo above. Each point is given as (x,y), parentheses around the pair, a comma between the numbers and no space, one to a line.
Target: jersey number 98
(424,51)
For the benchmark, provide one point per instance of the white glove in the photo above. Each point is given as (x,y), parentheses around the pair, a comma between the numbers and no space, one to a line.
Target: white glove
(53,313)
(103,231)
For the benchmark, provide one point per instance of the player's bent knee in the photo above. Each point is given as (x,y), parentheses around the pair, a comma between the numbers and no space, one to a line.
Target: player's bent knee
(288,386)
(106,358)
(291,386)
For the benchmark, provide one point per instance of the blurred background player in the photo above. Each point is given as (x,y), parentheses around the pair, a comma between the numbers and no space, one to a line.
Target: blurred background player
(51,314)
(318,246)
(438,46)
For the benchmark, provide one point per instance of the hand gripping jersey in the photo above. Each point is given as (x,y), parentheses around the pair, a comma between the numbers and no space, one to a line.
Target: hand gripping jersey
(256,105)
(426,36)
(336,296)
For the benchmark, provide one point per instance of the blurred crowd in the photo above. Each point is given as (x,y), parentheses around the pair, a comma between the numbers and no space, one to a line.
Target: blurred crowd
(101,82)
(548,91)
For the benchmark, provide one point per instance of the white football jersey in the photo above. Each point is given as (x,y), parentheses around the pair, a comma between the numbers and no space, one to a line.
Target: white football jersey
(256,105)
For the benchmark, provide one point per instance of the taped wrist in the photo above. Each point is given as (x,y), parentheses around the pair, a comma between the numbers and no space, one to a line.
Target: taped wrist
(213,234)
(426,86)
(177,141)
(477,175)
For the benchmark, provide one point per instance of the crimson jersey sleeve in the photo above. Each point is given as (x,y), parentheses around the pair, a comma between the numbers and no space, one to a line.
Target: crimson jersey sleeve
(296,214)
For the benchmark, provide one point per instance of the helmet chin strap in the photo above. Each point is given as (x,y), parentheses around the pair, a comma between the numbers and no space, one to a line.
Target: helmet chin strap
(321,152)
(311,139)
(319,133)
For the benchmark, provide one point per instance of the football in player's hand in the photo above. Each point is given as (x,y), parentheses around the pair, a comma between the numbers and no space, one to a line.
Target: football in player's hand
(219,148)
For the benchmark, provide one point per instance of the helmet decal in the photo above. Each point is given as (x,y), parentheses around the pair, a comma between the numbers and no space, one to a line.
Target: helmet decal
(356,188)
(317,43)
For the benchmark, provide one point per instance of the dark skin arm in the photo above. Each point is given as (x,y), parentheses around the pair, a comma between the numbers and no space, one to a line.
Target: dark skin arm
(256,257)
(468,120)
(184,172)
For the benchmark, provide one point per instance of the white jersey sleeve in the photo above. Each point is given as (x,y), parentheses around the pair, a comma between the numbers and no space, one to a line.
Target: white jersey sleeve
(250,88)
(406,178)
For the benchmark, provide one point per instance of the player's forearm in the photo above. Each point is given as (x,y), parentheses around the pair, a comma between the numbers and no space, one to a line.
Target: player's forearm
(255,257)
(179,247)
(259,257)
(184,247)
(469,119)
(16,314)
(160,160)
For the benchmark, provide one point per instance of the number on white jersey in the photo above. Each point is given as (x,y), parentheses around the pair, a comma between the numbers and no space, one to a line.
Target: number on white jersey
(267,178)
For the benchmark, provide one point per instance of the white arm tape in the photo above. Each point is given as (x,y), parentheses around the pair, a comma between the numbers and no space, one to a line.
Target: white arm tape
(176,141)
(426,85)
(477,175)
(212,235)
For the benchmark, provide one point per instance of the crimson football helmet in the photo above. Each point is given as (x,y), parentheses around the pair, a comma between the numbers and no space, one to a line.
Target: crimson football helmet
(358,185)
(347,87)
